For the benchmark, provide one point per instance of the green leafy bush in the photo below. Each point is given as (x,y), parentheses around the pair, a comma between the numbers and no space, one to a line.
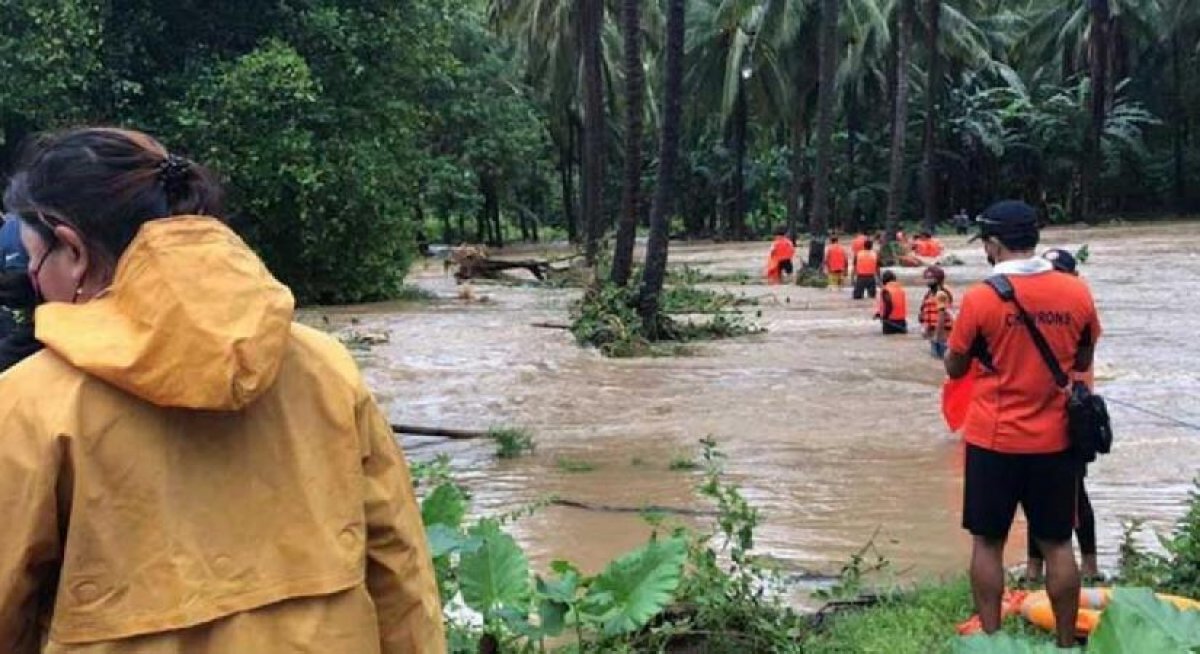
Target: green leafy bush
(511,443)
(1177,570)
(607,319)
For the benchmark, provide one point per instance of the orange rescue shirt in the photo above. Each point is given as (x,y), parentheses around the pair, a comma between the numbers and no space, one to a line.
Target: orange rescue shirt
(1018,408)
(835,259)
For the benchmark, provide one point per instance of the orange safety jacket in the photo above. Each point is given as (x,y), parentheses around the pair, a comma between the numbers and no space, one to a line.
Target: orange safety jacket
(930,310)
(835,259)
(866,263)
(899,302)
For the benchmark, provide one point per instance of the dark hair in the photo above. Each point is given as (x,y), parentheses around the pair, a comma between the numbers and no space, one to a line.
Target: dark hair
(833,239)
(887,276)
(107,182)
(868,244)
(781,231)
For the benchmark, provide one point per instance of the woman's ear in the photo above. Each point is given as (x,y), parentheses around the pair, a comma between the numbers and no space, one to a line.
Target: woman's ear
(79,260)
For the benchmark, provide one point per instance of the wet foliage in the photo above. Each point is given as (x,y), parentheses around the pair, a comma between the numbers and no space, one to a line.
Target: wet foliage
(1177,569)
(511,443)
(607,318)
(682,589)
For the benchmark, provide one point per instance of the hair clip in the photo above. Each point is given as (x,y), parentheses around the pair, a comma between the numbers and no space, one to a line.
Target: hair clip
(173,170)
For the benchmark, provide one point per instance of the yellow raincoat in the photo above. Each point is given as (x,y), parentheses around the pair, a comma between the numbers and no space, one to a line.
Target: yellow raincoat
(185,470)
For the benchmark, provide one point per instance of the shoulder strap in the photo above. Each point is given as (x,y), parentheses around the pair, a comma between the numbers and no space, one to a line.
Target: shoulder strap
(1004,288)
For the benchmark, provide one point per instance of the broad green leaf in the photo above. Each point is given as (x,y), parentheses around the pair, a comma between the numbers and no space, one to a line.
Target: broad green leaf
(555,597)
(1136,621)
(552,615)
(443,539)
(1002,643)
(446,505)
(636,586)
(496,575)
(562,589)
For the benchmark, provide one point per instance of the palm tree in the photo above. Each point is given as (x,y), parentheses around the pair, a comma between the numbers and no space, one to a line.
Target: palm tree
(634,89)
(819,224)
(655,269)
(591,25)
(1098,64)
(896,176)
(933,84)
(733,55)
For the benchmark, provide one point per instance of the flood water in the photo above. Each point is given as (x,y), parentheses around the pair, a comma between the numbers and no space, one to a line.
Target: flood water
(833,431)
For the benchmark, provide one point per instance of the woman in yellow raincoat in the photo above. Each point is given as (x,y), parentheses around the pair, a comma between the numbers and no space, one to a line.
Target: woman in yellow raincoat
(184,468)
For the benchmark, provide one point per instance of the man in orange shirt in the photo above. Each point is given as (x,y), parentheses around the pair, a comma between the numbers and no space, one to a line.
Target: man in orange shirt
(1016,425)
(866,269)
(892,311)
(779,261)
(835,263)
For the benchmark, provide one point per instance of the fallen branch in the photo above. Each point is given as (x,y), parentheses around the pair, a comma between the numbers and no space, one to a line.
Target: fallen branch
(649,508)
(550,325)
(442,432)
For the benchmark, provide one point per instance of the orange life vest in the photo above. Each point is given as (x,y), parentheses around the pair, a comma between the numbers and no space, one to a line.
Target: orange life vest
(929,309)
(835,259)
(899,302)
(866,263)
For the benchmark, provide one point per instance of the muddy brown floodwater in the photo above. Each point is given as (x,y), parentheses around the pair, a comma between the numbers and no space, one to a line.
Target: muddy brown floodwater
(833,431)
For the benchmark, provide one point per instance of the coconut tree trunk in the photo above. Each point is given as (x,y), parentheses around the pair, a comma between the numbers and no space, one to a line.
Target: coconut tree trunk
(591,22)
(818,226)
(631,20)
(668,158)
(852,131)
(741,118)
(796,183)
(896,177)
(1098,66)
(933,90)
(1179,132)
(566,170)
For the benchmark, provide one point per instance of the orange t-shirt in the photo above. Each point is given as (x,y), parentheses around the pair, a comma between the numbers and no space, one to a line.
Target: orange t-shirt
(835,259)
(1018,408)
(782,249)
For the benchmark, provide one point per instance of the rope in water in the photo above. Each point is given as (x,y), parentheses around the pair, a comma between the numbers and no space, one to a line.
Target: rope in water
(1156,414)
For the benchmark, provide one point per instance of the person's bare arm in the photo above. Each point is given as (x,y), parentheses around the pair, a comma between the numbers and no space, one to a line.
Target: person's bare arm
(957,364)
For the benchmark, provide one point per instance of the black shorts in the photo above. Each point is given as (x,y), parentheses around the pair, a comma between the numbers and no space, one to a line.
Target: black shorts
(1043,484)
(785,267)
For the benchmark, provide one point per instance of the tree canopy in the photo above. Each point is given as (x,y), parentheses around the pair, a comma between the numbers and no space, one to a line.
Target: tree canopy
(347,131)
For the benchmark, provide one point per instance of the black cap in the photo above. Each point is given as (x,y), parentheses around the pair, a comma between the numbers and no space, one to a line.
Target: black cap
(1007,219)
(1062,260)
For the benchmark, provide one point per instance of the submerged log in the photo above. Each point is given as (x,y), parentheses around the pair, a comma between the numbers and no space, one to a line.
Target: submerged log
(441,432)
(649,508)
(474,262)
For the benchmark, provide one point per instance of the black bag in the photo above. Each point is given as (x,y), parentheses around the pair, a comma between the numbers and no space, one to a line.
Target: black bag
(1088,425)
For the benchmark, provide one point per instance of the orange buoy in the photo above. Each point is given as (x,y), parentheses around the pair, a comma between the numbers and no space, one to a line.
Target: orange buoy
(1036,608)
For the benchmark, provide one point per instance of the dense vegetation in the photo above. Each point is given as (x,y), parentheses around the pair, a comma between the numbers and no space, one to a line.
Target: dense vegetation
(704,588)
(347,130)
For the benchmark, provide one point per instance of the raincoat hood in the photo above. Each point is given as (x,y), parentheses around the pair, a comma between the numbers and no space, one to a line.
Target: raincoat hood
(193,320)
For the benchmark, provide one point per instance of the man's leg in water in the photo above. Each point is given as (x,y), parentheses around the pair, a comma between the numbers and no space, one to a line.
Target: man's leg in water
(1062,585)
(987,580)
